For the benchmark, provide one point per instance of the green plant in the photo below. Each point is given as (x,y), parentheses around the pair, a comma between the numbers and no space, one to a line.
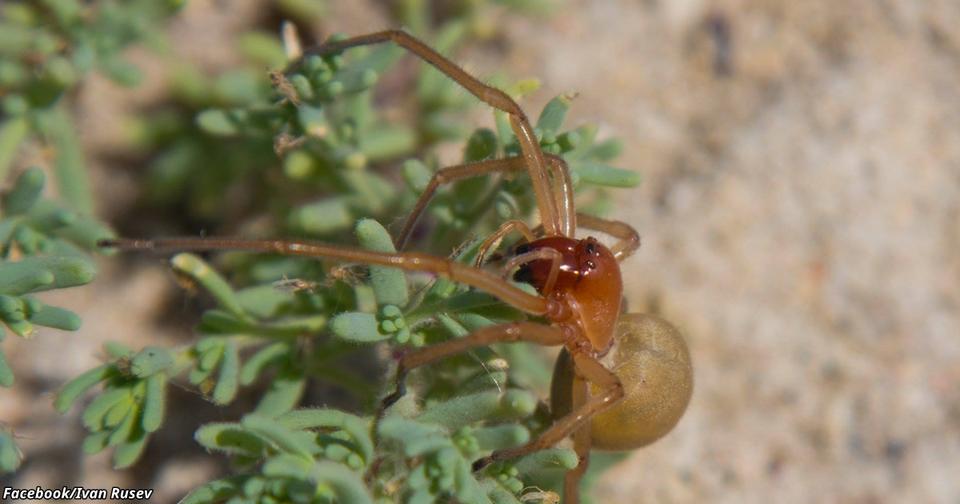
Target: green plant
(315,153)
(46,49)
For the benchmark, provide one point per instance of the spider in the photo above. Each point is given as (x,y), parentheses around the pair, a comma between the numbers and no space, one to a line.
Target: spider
(621,380)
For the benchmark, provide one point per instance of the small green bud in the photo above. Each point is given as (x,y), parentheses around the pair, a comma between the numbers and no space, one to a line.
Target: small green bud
(299,165)
(334,88)
(388,326)
(302,85)
(313,63)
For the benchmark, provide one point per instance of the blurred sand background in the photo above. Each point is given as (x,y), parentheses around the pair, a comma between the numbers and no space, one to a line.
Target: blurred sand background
(800,214)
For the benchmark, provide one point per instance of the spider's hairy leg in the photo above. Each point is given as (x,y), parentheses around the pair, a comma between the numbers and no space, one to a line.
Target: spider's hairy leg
(408,261)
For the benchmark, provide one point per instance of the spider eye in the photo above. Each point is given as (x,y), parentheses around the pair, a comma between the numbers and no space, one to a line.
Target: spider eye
(591,248)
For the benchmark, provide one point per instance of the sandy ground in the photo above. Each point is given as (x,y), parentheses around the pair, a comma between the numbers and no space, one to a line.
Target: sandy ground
(799,213)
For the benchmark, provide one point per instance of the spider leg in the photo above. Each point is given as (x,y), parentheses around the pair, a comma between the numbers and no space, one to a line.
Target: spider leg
(629,239)
(409,261)
(453,174)
(591,370)
(504,229)
(563,193)
(502,333)
(529,145)
(581,445)
(553,255)
(562,187)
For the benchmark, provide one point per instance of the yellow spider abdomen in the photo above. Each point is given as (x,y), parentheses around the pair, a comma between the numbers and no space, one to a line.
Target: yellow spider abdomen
(652,361)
